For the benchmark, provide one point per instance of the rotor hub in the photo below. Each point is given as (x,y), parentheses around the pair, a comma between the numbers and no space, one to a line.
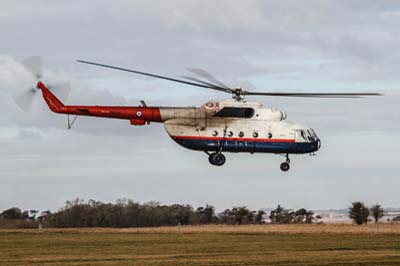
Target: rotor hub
(238,93)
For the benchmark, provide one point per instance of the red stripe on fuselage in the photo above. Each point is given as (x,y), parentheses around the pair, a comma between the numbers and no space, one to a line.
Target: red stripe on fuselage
(232,139)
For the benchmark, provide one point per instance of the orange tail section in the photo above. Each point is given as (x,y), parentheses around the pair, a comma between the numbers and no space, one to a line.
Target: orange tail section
(52,101)
(136,115)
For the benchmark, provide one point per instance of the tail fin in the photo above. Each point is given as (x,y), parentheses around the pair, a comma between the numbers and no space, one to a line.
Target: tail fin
(52,101)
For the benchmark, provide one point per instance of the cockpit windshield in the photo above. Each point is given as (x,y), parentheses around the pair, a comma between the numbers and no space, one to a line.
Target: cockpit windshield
(308,135)
(311,135)
(312,132)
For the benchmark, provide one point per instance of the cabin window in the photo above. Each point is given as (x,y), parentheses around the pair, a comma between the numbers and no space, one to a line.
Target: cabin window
(243,112)
(270,135)
(215,133)
(241,134)
(230,134)
(255,135)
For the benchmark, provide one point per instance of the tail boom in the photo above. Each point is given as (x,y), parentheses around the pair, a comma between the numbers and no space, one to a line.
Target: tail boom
(137,115)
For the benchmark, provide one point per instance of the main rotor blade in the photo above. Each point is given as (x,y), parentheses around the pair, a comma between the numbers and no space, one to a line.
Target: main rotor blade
(213,86)
(147,74)
(204,74)
(312,95)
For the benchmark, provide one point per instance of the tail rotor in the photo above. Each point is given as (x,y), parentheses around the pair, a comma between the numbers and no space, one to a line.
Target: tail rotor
(35,66)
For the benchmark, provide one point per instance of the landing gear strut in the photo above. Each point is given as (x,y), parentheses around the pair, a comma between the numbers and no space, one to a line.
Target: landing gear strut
(285,166)
(216,158)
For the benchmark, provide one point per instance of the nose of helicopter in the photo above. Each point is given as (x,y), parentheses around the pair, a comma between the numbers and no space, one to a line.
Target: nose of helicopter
(314,140)
(315,145)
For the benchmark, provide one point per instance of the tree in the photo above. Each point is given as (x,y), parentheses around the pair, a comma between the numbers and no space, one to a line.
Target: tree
(12,213)
(309,217)
(237,215)
(182,213)
(359,213)
(300,216)
(227,217)
(377,212)
(281,216)
(206,215)
(242,215)
(303,216)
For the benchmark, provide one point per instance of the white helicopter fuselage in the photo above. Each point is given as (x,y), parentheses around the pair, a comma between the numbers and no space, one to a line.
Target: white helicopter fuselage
(215,127)
(237,126)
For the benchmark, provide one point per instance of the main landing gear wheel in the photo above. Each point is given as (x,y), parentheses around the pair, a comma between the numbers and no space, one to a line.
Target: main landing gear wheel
(217,159)
(285,166)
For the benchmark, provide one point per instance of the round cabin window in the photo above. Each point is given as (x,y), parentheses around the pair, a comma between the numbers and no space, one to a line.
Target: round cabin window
(230,134)
(215,133)
(270,135)
(255,135)
(241,134)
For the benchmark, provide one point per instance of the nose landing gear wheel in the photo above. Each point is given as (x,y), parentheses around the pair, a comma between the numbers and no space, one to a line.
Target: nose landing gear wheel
(285,166)
(217,159)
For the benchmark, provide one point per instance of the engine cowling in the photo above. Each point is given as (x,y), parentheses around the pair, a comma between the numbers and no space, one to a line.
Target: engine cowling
(272,114)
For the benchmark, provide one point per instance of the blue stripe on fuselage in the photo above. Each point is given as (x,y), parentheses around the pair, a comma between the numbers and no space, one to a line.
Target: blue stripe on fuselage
(248,146)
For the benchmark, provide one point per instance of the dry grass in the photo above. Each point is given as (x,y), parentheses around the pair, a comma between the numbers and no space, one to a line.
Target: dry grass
(385,228)
(297,245)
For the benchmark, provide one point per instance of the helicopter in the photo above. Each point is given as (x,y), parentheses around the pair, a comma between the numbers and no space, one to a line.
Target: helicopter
(234,125)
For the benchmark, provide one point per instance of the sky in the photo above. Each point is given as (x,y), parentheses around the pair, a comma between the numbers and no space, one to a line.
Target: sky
(302,46)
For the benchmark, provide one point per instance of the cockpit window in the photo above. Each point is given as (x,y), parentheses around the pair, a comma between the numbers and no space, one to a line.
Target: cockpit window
(236,112)
(311,135)
(303,135)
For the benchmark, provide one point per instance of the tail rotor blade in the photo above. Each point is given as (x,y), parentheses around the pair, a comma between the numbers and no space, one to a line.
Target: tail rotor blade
(35,65)
(25,99)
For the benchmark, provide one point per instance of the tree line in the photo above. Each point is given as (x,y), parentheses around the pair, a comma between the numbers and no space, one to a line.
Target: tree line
(128,213)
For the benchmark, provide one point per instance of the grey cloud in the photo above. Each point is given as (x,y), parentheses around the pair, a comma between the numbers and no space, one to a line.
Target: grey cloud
(155,35)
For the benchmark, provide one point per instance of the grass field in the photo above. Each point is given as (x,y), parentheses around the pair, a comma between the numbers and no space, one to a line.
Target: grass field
(204,245)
